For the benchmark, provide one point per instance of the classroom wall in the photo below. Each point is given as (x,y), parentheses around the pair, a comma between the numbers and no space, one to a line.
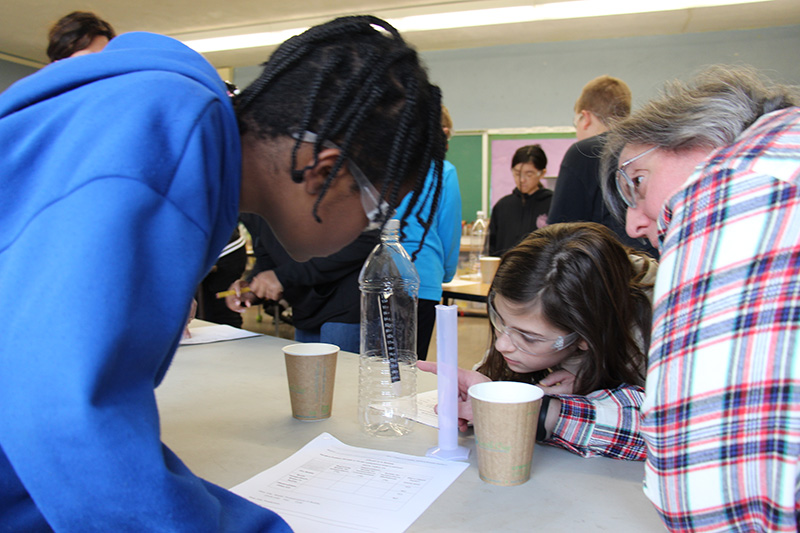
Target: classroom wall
(11,72)
(536,85)
(526,85)
(520,86)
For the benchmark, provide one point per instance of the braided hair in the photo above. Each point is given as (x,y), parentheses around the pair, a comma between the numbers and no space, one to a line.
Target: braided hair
(355,82)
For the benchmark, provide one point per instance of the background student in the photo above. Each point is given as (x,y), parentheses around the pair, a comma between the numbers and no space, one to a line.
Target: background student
(525,209)
(77,34)
(323,291)
(709,171)
(578,196)
(124,217)
(434,246)
(569,311)
(230,265)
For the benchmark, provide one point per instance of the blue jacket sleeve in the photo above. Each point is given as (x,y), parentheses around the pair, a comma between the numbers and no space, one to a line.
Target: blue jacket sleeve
(79,425)
(449,220)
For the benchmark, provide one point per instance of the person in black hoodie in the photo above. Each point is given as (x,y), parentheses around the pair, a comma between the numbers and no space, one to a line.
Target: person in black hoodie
(323,291)
(524,210)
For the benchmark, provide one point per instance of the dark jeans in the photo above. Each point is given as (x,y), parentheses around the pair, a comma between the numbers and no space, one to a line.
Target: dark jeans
(426,317)
(346,336)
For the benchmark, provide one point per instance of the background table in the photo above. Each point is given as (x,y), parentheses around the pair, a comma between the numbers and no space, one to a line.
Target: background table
(473,292)
(225,411)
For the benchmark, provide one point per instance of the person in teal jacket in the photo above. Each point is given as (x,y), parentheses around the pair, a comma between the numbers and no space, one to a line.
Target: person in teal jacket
(123,175)
(437,259)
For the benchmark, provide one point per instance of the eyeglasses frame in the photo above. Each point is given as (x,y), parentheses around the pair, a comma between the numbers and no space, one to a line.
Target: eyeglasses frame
(633,188)
(376,208)
(559,343)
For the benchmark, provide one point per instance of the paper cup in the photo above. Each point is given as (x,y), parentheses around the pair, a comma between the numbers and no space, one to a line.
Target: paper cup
(505,415)
(311,369)
(489,268)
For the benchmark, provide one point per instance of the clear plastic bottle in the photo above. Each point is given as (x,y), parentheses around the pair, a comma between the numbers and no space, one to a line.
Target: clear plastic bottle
(387,380)
(478,242)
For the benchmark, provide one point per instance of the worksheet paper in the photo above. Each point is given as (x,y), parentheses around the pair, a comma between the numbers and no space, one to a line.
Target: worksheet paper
(216,333)
(330,486)
(426,405)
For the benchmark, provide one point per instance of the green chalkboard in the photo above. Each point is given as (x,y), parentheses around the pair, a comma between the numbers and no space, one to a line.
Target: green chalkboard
(465,153)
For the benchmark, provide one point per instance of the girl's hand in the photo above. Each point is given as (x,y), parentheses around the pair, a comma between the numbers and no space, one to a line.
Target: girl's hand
(466,379)
(558,382)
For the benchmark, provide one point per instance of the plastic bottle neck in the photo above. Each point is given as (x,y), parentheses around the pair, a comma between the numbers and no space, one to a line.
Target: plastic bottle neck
(389,236)
(391,232)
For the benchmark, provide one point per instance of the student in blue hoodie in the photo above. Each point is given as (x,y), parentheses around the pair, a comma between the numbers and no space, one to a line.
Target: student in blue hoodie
(434,248)
(123,175)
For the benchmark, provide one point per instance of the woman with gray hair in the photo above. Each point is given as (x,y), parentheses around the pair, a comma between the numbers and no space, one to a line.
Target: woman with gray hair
(709,172)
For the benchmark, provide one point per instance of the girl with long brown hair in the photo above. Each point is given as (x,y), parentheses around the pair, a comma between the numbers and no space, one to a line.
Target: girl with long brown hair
(569,312)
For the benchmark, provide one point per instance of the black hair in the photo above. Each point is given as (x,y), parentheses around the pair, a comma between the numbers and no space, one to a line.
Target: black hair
(75,32)
(531,153)
(355,82)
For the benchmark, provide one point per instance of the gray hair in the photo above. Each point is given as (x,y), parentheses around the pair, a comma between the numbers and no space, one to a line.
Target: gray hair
(710,111)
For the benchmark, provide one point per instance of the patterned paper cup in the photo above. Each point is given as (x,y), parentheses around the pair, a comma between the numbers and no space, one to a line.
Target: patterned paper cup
(311,369)
(505,415)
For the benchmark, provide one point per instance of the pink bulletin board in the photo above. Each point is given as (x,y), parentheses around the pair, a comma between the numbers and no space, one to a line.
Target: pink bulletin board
(502,148)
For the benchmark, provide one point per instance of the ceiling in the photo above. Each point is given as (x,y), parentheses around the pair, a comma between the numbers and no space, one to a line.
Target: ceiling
(24,23)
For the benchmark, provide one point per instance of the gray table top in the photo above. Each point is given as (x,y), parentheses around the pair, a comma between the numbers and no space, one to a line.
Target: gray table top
(225,411)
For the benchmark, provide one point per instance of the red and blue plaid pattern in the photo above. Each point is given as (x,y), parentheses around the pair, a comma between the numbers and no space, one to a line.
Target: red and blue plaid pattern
(722,414)
(603,423)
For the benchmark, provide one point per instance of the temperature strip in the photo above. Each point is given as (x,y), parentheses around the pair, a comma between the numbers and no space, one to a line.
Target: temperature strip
(389,337)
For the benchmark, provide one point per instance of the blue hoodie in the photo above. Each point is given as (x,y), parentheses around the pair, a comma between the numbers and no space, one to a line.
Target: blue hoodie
(120,184)
(437,261)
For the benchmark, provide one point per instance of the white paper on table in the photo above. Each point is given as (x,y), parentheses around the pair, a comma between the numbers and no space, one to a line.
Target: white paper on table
(216,333)
(461,282)
(330,486)
(426,401)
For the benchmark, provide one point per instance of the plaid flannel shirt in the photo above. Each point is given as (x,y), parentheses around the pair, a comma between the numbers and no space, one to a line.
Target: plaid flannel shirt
(722,413)
(603,423)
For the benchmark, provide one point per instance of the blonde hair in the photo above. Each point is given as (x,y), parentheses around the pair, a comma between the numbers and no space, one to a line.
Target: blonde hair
(608,98)
(447,121)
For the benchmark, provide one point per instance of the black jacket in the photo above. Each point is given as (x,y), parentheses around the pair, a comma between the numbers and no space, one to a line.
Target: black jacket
(320,290)
(514,217)
(579,197)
